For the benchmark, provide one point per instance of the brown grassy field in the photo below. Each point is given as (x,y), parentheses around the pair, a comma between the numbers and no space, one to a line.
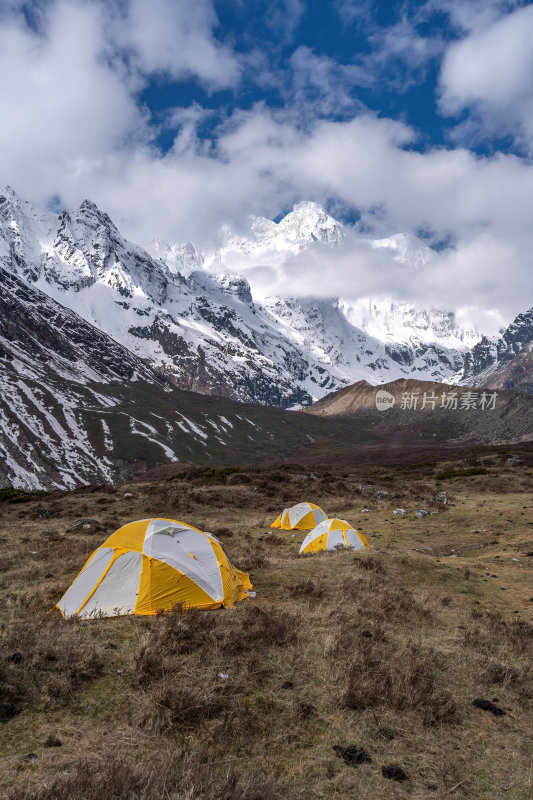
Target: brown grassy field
(385,651)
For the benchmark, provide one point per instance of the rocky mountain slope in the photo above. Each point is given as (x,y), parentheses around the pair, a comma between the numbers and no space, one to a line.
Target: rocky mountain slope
(504,363)
(203,329)
(410,410)
(76,407)
(96,336)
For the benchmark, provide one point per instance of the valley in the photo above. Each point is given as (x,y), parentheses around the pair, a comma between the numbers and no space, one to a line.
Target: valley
(251,702)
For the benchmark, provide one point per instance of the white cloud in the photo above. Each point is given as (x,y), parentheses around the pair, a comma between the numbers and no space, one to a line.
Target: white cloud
(68,101)
(358,11)
(470,15)
(61,104)
(263,163)
(71,125)
(397,53)
(176,38)
(489,73)
(320,86)
(284,16)
(400,53)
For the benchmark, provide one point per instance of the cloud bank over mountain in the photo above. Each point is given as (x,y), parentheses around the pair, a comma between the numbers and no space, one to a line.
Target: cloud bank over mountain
(178,118)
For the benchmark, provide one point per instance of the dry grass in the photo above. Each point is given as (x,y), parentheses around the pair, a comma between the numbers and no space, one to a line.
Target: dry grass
(384,650)
(489,633)
(53,659)
(403,677)
(115,778)
(372,596)
(168,706)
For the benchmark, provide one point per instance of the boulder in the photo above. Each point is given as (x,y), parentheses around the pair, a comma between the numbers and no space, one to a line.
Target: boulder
(441,498)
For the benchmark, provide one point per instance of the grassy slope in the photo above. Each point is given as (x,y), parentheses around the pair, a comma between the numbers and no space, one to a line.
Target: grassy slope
(275,433)
(510,420)
(386,650)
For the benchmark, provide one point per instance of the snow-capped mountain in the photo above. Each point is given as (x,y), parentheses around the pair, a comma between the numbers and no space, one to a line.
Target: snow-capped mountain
(201,333)
(78,408)
(346,345)
(307,223)
(96,334)
(406,247)
(506,362)
(179,310)
(56,372)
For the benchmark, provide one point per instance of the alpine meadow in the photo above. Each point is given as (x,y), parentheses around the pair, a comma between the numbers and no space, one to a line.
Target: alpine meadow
(266,400)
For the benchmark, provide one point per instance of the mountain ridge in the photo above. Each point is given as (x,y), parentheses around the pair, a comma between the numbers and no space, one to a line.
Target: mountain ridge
(203,329)
(506,362)
(78,408)
(424,410)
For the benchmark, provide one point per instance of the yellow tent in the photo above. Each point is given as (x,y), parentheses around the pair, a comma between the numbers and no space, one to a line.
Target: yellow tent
(332,534)
(301,517)
(149,566)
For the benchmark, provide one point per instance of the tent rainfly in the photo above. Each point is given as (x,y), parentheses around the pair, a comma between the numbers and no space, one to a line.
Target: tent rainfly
(150,566)
(332,534)
(301,517)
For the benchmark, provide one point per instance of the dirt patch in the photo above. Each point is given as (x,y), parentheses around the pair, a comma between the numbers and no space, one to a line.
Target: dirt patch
(352,755)
(487,705)
(393,773)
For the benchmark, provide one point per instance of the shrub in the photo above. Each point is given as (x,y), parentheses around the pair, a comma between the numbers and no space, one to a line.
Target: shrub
(168,637)
(12,691)
(172,777)
(58,656)
(167,706)
(370,563)
(254,628)
(251,557)
(497,672)
(9,494)
(382,600)
(402,677)
(461,473)
(306,588)
(488,632)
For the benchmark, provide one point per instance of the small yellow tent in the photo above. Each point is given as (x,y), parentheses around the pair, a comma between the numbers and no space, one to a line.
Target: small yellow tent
(332,534)
(149,566)
(301,517)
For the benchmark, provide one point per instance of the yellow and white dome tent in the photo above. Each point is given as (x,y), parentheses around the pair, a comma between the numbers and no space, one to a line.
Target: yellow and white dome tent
(301,517)
(332,534)
(150,566)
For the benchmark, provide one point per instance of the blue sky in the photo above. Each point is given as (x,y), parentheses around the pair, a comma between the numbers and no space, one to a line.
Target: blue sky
(386,58)
(178,117)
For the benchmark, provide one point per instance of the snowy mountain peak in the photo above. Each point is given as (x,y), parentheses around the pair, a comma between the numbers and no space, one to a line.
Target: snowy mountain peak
(192,314)
(308,222)
(89,205)
(89,214)
(181,257)
(23,231)
(514,346)
(405,324)
(14,208)
(86,248)
(218,284)
(406,248)
(7,193)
